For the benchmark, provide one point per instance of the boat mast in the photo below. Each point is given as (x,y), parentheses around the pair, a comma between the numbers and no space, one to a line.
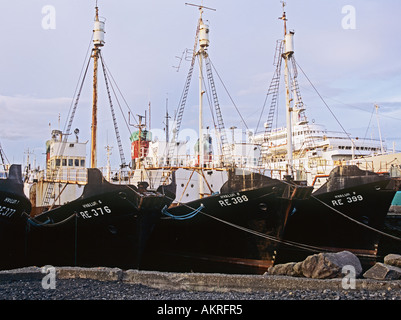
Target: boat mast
(202,55)
(98,40)
(203,44)
(288,52)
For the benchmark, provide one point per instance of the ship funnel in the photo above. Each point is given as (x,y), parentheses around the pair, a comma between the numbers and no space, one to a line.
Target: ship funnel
(98,32)
(289,43)
(203,35)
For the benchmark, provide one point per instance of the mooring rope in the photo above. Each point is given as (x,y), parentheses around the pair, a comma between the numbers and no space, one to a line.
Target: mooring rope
(262,235)
(47,223)
(292,243)
(356,221)
(185,216)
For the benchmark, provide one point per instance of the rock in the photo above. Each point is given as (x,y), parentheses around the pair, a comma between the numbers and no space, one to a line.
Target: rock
(393,260)
(298,269)
(291,269)
(381,271)
(330,265)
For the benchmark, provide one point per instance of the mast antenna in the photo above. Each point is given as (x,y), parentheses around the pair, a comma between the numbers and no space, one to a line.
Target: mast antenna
(201,7)
(284,18)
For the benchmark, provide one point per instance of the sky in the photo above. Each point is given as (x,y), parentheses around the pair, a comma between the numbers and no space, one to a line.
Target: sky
(349,50)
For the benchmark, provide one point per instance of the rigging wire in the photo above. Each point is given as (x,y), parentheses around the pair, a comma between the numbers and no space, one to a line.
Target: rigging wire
(79,79)
(120,147)
(225,88)
(110,76)
(370,120)
(298,245)
(327,106)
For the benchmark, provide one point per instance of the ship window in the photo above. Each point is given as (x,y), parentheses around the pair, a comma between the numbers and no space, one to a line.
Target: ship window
(70,162)
(64,162)
(82,163)
(76,162)
(58,161)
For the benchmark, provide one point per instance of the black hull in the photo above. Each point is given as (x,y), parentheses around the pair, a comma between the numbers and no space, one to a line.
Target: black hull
(317,222)
(213,241)
(107,226)
(14,206)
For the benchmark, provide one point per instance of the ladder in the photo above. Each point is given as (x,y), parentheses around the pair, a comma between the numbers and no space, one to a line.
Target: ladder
(273,92)
(180,112)
(227,155)
(120,146)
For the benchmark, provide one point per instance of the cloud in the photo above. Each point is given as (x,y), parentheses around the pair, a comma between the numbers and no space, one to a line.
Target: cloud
(28,117)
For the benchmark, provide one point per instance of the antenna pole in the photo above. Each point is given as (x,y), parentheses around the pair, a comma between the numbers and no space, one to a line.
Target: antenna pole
(200,7)
(378,125)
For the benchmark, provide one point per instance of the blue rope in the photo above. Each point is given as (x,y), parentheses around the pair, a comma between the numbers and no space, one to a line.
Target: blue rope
(38,224)
(185,216)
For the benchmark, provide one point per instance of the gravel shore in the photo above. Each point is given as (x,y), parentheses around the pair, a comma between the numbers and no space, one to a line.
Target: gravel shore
(74,283)
(88,289)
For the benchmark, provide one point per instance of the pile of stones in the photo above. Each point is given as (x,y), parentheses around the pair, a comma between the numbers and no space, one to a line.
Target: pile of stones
(335,265)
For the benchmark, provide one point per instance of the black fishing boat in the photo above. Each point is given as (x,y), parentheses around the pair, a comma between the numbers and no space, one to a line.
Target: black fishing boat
(14,206)
(346,213)
(108,223)
(107,226)
(237,230)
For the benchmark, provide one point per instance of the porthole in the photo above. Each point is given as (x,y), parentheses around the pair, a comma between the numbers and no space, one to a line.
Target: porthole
(263,206)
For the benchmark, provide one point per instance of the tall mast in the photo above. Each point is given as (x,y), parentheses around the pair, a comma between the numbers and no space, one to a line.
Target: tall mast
(202,54)
(203,44)
(98,40)
(288,52)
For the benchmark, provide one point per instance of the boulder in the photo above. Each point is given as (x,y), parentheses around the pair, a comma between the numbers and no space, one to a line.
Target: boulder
(286,269)
(330,265)
(381,271)
(393,260)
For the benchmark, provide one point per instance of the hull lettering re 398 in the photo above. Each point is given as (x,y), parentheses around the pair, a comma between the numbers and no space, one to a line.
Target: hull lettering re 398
(346,198)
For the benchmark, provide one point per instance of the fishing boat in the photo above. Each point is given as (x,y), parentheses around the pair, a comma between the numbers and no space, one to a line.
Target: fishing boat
(223,218)
(14,206)
(79,218)
(348,207)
